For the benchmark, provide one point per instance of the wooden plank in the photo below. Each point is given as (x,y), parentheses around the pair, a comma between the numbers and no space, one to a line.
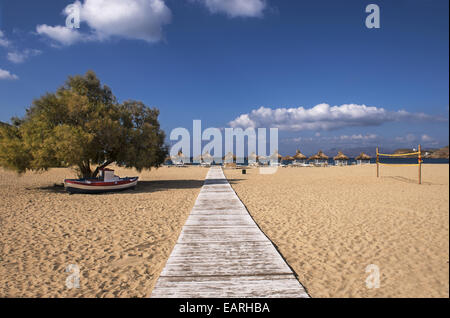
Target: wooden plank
(217,196)
(270,286)
(199,234)
(222,253)
(217,187)
(222,198)
(216,190)
(220,205)
(218,212)
(228,196)
(218,220)
(230,258)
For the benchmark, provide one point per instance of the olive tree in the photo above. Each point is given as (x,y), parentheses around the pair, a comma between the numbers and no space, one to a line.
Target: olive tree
(82,125)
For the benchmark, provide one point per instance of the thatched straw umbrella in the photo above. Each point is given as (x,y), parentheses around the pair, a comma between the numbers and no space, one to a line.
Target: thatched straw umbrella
(252,158)
(363,158)
(179,158)
(288,158)
(207,158)
(341,159)
(198,159)
(263,159)
(229,158)
(322,155)
(299,157)
(275,157)
(319,158)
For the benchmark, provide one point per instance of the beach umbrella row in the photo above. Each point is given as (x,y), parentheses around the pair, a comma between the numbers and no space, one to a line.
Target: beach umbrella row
(253,157)
(206,157)
(180,155)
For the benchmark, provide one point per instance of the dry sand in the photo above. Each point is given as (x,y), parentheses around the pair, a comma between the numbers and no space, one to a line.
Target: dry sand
(330,223)
(120,241)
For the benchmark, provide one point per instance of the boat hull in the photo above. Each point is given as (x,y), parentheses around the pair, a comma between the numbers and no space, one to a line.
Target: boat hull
(82,186)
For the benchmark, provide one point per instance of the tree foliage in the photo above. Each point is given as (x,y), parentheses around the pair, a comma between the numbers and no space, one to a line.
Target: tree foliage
(83,125)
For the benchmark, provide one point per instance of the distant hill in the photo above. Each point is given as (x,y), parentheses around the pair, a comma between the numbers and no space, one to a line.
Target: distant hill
(435,153)
(403,150)
(409,150)
(440,153)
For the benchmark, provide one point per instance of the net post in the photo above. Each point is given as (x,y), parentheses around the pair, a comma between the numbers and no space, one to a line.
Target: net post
(420,165)
(378,166)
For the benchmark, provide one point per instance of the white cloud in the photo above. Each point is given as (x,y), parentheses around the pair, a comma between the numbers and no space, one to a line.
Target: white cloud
(407,138)
(6,75)
(3,40)
(131,19)
(324,117)
(20,57)
(236,8)
(426,138)
(334,139)
(335,142)
(14,55)
(60,34)
(358,137)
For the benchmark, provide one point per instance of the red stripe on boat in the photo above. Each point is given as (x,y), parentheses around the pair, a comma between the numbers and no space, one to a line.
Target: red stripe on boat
(101,183)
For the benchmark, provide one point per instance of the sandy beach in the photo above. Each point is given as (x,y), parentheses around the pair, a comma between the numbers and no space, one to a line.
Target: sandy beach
(331,223)
(120,242)
(328,223)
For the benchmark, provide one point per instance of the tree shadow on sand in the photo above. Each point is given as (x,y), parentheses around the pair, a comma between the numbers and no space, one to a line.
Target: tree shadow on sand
(149,186)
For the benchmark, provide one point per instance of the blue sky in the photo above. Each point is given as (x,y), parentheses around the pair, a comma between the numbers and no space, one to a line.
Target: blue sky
(222,60)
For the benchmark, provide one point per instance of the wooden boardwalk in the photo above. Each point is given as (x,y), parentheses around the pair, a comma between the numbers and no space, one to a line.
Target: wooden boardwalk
(221,252)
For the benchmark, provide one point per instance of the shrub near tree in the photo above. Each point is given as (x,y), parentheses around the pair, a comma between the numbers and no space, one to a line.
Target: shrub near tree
(82,125)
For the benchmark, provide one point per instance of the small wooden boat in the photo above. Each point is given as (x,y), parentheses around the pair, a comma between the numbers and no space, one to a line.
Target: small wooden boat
(107,182)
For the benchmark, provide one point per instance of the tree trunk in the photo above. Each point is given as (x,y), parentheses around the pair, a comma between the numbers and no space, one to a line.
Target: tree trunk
(85,170)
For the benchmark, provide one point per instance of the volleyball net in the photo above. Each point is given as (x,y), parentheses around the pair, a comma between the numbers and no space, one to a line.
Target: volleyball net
(397,155)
